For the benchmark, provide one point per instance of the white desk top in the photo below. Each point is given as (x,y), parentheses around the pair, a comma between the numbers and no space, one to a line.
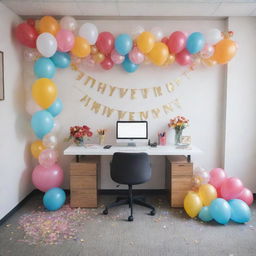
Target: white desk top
(159,150)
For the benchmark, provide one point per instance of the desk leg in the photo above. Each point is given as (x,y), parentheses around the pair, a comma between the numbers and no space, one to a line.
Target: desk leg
(189,158)
(77,158)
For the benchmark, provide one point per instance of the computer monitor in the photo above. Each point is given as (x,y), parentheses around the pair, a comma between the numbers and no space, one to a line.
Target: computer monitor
(131,131)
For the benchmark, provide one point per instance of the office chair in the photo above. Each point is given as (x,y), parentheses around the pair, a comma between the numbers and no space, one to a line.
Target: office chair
(130,169)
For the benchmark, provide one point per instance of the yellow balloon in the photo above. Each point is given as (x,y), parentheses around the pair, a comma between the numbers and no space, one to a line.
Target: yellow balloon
(207,193)
(170,59)
(44,92)
(192,204)
(36,148)
(49,24)
(37,23)
(159,54)
(81,47)
(145,42)
(98,57)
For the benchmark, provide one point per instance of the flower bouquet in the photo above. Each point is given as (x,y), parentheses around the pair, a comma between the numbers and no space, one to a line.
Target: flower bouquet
(178,123)
(78,133)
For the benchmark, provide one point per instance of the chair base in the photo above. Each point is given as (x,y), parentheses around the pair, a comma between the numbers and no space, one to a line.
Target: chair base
(139,200)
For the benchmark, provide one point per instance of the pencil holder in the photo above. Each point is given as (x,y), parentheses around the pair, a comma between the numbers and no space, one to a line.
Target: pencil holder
(101,139)
(162,140)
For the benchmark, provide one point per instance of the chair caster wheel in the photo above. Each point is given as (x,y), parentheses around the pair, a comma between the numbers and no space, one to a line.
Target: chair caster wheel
(130,218)
(153,213)
(105,212)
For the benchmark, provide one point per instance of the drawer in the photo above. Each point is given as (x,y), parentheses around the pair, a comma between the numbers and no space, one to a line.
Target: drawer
(181,183)
(177,198)
(83,182)
(181,169)
(83,168)
(83,198)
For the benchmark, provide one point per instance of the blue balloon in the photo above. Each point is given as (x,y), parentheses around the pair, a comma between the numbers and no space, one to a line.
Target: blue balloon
(129,66)
(195,42)
(205,214)
(56,107)
(44,67)
(54,198)
(240,211)
(123,44)
(61,59)
(220,210)
(42,123)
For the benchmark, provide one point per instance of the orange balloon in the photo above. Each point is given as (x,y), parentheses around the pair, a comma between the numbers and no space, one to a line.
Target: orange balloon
(145,42)
(225,50)
(36,148)
(81,47)
(159,54)
(49,24)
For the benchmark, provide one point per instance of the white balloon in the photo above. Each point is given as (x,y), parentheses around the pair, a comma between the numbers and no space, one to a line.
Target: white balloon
(32,107)
(136,31)
(90,32)
(69,23)
(50,140)
(158,33)
(46,44)
(213,36)
(31,54)
(56,126)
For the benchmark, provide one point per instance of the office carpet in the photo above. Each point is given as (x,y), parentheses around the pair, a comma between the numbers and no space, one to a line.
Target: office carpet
(81,232)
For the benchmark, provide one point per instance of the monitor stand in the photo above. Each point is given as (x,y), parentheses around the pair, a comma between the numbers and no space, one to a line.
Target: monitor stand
(131,144)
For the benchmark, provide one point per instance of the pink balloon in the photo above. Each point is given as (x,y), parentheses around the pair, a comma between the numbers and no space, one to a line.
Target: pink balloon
(246,195)
(217,176)
(48,157)
(107,63)
(105,42)
(184,58)
(116,57)
(231,188)
(207,52)
(47,178)
(177,42)
(65,40)
(88,62)
(75,60)
(136,56)
(165,40)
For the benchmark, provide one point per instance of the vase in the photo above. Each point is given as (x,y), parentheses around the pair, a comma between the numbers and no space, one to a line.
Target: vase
(178,134)
(79,141)
(101,139)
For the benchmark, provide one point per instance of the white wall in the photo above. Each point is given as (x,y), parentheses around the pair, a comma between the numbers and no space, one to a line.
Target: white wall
(240,147)
(15,163)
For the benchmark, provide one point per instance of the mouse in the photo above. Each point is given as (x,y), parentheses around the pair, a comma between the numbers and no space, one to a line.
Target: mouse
(107,146)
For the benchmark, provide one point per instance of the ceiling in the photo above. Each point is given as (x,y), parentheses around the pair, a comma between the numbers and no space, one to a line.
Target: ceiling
(159,8)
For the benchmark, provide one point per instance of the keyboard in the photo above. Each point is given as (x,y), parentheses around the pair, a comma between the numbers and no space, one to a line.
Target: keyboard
(132,149)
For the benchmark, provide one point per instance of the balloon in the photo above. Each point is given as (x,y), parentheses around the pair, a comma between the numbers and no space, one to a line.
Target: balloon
(68,23)
(75,60)
(209,62)
(42,123)
(176,42)
(36,148)
(46,44)
(31,22)
(123,44)
(107,63)
(48,157)
(145,42)
(213,36)
(184,58)
(170,59)
(50,140)
(195,42)
(225,50)
(128,66)
(220,210)
(81,47)
(205,214)
(90,32)
(46,178)
(246,195)
(49,24)
(136,56)
(207,193)
(88,62)
(159,54)
(56,127)
(56,107)
(98,57)
(240,211)
(105,42)
(231,188)
(207,51)
(26,35)
(136,31)
(44,92)
(157,32)
(164,40)
(65,40)
(202,174)
(54,199)
(217,176)
(94,49)
(32,107)
(31,54)
(116,57)
(44,67)
(192,204)
(196,181)
(61,59)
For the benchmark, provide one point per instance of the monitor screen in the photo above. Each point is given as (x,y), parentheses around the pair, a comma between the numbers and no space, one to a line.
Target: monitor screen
(132,130)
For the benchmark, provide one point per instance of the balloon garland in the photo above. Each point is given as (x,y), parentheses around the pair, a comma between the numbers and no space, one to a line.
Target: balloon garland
(52,45)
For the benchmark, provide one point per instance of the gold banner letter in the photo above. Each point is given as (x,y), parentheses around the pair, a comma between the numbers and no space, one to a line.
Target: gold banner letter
(89,78)
(157,91)
(95,107)
(170,87)
(121,114)
(112,89)
(144,93)
(107,111)
(86,99)
(131,116)
(155,112)
(101,87)
(123,91)
(143,115)
(133,94)
(167,108)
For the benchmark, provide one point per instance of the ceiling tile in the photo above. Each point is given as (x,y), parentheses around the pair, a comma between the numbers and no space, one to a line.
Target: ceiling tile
(235,9)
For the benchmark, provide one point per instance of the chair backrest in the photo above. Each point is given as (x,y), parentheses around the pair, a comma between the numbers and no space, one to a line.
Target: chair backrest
(130,168)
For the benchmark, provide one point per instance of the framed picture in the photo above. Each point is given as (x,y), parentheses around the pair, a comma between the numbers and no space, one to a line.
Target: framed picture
(1,75)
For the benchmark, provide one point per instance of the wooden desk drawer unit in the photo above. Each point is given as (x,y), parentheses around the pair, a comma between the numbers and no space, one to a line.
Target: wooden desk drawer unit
(83,182)
(180,179)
